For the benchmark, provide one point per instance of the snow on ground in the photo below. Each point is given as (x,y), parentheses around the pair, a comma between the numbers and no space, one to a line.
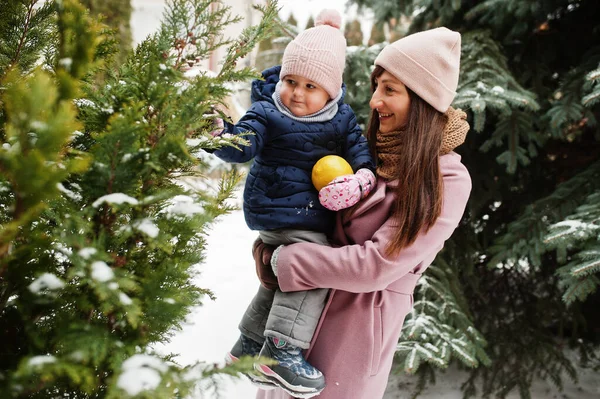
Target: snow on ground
(448,387)
(212,328)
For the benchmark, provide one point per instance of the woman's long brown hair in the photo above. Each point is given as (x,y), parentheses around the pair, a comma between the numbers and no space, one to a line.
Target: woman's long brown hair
(419,193)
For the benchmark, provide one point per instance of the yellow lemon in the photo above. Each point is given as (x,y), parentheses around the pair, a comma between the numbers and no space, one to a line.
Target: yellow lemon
(328,168)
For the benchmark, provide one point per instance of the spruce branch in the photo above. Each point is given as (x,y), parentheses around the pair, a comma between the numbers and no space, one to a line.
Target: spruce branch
(488,86)
(578,234)
(524,238)
(572,104)
(593,84)
(425,340)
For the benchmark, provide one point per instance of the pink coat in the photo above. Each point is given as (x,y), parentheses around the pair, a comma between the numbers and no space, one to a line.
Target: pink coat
(371,294)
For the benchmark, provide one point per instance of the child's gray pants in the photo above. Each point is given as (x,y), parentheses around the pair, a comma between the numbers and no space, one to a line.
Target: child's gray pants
(292,316)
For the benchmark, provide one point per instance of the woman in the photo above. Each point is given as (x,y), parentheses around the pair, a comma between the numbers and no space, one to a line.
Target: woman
(385,242)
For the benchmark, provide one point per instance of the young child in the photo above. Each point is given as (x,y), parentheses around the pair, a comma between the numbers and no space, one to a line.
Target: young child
(297,117)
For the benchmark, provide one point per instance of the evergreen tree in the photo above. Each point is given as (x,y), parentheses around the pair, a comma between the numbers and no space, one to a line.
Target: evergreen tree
(353,33)
(117,15)
(515,289)
(357,78)
(98,233)
(397,29)
(377,34)
(283,32)
(310,23)
(292,21)
(265,44)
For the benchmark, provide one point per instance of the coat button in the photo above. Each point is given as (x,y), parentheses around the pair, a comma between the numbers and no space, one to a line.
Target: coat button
(308,147)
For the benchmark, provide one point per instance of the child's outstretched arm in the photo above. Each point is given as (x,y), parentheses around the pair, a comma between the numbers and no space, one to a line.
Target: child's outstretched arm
(253,122)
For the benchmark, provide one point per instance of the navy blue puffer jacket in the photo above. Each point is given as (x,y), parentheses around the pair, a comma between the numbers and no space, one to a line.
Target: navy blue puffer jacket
(279,192)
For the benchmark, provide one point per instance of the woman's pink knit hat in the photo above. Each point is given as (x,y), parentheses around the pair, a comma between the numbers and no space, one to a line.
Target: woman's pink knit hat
(318,54)
(427,63)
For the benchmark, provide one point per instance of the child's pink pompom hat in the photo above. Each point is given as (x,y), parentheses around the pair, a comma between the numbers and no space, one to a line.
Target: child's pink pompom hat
(427,63)
(319,53)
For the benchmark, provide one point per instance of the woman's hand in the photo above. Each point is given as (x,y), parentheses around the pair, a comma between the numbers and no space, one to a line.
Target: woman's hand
(345,191)
(262,254)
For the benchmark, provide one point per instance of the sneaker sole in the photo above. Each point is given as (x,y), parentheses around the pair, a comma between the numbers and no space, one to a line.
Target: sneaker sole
(297,391)
(260,382)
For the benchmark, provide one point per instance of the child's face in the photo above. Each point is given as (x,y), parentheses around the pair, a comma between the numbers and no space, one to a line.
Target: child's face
(302,96)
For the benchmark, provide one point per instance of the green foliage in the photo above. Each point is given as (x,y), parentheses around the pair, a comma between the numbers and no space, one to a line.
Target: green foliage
(592,84)
(265,44)
(25,29)
(248,39)
(194,31)
(282,32)
(99,233)
(82,42)
(486,85)
(572,105)
(357,76)
(377,34)
(532,225)
(526,255)
(384,10)
(353,33)
(310,23)
(425,339)
(397,29)
(292,21)
(577,235)
(117,15)
(38,125)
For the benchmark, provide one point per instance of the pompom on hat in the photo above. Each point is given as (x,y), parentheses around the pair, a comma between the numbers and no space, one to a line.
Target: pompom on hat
(318,53)
(427,63)
(329,17)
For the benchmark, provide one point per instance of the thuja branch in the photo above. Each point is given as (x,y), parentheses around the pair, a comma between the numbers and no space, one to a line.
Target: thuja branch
(25,32)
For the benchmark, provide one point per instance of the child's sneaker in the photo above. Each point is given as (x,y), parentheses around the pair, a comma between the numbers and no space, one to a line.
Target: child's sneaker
(245,346)
(293,373)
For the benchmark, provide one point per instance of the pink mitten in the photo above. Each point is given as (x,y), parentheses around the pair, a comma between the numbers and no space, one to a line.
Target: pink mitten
(217,128)
(347,190)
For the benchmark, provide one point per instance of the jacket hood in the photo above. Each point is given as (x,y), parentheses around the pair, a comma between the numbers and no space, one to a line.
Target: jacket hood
(263,89)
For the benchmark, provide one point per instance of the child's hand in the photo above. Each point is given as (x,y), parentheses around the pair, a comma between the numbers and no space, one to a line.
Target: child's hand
(218,127)
(347,190)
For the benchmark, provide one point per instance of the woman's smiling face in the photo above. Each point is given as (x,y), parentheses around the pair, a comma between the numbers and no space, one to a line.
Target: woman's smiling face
(391,101)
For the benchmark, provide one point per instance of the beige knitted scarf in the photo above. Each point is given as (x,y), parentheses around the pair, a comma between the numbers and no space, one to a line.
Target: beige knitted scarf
(389,145)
